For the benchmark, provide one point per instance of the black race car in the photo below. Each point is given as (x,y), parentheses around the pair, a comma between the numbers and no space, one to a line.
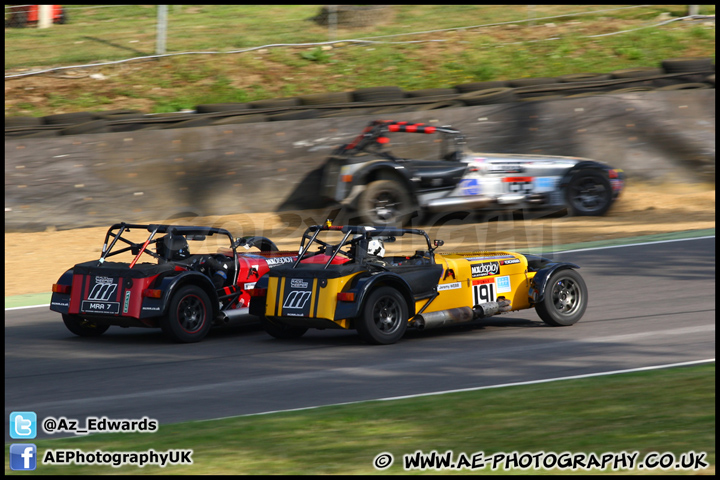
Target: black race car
(359,278)
(385,189)
(182,293)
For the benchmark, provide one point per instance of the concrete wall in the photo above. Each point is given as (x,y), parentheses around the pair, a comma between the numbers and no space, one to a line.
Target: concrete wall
(155,175)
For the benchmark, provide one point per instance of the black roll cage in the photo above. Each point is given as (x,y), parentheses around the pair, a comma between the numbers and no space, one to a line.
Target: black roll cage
(361,237)
(374,135)
(154,229)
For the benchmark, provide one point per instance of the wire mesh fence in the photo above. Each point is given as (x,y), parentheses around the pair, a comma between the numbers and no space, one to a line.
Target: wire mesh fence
(92,34)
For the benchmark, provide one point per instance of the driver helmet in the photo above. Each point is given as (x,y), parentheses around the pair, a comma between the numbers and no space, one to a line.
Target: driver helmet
(173,247)
(376,247)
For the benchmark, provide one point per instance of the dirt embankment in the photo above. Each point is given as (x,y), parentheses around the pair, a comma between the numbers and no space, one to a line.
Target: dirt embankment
(34,261)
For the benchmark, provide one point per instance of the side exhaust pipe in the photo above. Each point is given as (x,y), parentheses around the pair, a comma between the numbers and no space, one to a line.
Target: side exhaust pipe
(460,315)
(444,317)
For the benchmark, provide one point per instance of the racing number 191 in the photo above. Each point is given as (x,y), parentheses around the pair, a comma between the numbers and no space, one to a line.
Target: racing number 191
(485,292)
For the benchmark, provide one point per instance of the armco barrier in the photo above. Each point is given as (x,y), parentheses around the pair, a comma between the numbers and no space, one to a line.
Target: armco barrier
(155,175)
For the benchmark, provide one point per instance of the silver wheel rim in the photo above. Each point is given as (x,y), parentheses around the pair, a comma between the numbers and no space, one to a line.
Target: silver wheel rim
(588,195)
(566,296)
(387,315)
(191,313)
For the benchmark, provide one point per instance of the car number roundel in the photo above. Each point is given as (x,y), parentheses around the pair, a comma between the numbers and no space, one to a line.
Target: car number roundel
(484,291)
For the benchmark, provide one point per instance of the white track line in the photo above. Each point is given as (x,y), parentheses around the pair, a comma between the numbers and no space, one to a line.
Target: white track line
(474,389)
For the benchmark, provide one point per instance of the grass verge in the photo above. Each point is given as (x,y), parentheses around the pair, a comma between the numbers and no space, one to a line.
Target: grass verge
(670,410)
(505,51)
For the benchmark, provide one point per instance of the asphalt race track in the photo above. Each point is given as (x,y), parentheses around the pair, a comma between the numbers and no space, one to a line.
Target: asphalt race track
(649,305)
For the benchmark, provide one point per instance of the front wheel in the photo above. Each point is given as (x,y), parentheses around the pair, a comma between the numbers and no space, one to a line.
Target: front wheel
(189,315)
(589,193)
(384,317)
(565,299)
(385,203)
(82,327)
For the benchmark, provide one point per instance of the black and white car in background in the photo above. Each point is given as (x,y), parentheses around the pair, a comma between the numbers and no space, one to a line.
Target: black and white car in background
(384,189)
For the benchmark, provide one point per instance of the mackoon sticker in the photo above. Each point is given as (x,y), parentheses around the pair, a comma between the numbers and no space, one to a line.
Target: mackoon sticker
(275,261)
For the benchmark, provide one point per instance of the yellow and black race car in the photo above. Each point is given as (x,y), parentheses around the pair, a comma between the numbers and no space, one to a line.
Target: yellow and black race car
(360,283)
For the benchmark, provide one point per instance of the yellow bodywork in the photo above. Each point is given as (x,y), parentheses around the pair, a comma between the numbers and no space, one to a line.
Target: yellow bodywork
(514,287)
(467,279)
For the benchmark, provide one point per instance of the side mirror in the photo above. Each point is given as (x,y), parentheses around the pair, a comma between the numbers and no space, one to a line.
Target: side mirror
(239,242)
(438,243)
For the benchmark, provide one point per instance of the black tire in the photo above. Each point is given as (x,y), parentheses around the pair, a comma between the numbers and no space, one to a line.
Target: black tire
(488,96)
(639,72)
(378,94)
(295,115)
(565,299)
(475,86)
(431,92)
(276,102)
(82,327)
(689,64)
(385,203)
(588,193)
(583,77)
(23,122)
(114,115)
(326,98)
(282,331)
(384,317)
(527,82)
(221,107)
(189,316)
(69,118)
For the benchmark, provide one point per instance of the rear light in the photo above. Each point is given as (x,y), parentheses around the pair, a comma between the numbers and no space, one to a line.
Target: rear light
(152,293)
(57,288)
(258,292)
(613,174)
(346,296)
(346,178)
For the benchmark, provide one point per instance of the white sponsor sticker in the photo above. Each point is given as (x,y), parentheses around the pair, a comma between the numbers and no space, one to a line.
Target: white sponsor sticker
(449,286)
(503,284)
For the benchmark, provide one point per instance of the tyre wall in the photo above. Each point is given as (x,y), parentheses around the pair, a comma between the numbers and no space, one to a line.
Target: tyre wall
(156,175)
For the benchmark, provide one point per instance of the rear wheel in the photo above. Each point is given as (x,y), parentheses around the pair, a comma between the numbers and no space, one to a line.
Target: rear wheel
(385,202)
(589,193)
(189,316)
(565,299)
(384,317)
(82,327)
(282,331)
